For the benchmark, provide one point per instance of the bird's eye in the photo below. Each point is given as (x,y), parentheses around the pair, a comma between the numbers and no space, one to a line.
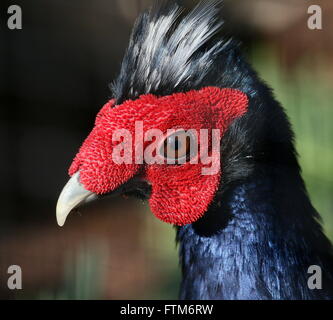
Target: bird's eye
(179,147)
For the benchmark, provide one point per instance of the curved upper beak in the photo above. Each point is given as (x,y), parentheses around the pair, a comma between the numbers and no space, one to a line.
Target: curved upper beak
(72,195)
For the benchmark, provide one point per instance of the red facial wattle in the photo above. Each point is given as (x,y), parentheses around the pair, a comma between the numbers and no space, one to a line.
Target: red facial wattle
(180,194)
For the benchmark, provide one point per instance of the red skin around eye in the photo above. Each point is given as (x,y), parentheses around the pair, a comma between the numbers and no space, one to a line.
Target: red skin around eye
(180,194)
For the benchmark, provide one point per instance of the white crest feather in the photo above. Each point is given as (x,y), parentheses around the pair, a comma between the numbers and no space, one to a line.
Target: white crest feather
(165,53)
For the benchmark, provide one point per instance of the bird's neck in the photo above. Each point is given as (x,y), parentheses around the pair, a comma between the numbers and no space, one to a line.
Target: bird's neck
(257,242)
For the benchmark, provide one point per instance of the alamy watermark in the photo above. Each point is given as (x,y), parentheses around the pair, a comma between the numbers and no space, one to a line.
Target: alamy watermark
(315,281)
(176,146)
(14,281)
(315,20)
(14,21)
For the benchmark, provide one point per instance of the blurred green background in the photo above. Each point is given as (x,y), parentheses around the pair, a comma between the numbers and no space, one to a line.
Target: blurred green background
(307,98)
(54,79)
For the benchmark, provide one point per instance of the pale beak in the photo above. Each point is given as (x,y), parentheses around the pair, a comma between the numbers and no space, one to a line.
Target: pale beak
(71,196)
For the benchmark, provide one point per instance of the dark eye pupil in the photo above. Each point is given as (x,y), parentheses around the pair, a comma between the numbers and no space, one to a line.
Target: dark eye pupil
(174,143)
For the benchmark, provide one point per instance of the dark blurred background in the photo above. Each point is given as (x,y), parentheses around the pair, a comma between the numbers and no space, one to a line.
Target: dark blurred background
(54,76)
